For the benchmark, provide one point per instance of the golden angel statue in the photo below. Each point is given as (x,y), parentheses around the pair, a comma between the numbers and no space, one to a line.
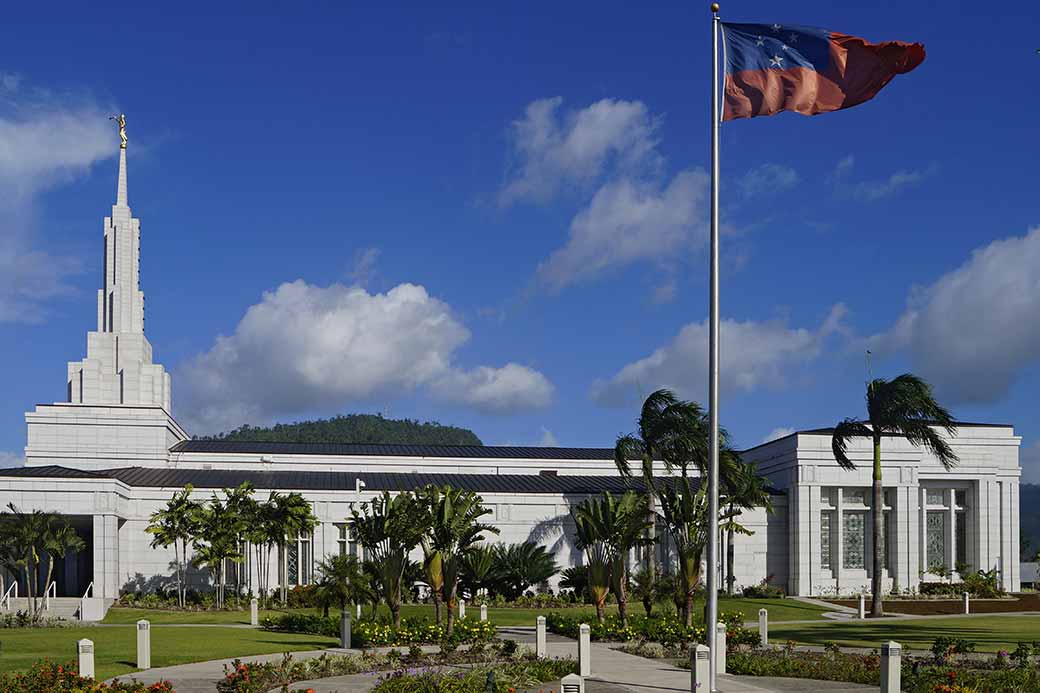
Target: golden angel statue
(121,121)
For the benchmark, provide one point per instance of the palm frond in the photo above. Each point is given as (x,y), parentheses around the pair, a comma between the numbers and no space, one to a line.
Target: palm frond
(843,433)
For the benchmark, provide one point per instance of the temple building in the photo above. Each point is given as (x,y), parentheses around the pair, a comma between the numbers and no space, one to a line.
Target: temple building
(113,454)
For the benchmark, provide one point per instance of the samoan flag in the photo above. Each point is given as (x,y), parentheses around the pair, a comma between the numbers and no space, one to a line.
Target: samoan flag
(779,67)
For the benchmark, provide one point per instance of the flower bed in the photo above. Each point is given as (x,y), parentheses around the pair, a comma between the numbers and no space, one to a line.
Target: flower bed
(382,633)
(665,629)
(504,677)
(50,677)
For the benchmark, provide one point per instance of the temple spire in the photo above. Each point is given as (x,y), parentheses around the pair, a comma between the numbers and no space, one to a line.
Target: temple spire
(121,186)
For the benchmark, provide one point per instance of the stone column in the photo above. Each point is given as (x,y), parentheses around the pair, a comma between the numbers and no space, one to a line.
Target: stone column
(144,644)
(967,604)
(951,533)
(540,648)
(344,629)
(839,536)
(700,669)
(763,626)
(721,645)
(106,556)
(254,612)
(891,667)
(462,608)
(483,612)
(862,612)
(584,650)
(85,657)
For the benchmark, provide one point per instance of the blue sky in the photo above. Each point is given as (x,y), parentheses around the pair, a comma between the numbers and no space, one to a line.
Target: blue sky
(495,215)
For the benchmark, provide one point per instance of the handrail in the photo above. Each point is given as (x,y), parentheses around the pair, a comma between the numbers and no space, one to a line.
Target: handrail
(53,587)
(5,601)
(89,591)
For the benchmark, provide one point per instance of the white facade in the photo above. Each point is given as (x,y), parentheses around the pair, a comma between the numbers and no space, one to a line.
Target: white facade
(90,457)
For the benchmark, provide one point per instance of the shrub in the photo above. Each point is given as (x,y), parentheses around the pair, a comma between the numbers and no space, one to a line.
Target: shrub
(806,665)
(382,633)
(764,590)
(666,629)
(983,584)
(504,677)
(945,647)
(50,677)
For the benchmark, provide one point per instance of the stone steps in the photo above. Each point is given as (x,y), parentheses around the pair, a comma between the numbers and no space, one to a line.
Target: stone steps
(59,607)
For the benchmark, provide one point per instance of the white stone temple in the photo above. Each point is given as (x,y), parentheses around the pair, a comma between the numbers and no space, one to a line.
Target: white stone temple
(113,454)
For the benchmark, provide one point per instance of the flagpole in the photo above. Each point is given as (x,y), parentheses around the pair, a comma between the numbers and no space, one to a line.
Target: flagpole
(713,367)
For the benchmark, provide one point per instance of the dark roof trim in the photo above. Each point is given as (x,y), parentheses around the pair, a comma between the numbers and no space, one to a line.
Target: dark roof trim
(501,452)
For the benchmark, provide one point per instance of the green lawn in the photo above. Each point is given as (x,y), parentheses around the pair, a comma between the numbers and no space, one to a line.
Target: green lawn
(779,610)
(115,649)
(988,633)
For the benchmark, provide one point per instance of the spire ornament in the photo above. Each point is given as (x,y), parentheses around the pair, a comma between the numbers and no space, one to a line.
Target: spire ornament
(121,121)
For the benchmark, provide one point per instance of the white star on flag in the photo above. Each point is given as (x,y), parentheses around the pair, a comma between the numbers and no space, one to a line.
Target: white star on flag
(776,61)
(784,46)
(760,42)
(793,38)
(777,28)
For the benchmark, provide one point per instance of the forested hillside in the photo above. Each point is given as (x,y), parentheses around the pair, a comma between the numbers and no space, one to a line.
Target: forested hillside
(356,428)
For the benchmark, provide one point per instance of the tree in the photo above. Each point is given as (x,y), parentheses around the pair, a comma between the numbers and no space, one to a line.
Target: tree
(478,569)
(290,515)
(589,539)
(59,539)
(686,516)
(743,489)
(176,525)
(519,566)
(620,523)
(241,505)
(219,528)
(576,579)
(903,406)
(22,537)
(341,582)
(389,527)
(667,430)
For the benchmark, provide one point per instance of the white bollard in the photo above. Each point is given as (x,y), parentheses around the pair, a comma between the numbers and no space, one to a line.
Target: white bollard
(967,608)
(462,608)
(720,642)
(763,627)
(254,612)
(344,629)
(540,649)
(483,612)
(891,667)
(584,650)
(700,669)
(572,683)
(85,656)
(358,609)
(862,606)
(144,644)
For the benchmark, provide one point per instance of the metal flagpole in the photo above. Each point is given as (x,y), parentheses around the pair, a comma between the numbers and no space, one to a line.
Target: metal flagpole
(713,366)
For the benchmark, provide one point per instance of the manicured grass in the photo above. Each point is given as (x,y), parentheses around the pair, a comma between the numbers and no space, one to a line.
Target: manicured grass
(988,633)
(779,610)
(115,649)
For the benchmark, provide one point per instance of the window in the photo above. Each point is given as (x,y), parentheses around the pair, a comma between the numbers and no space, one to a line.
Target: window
(936,538)
(961,498)
(855,539)
(935,497)
(825,540)
(854,496)
(961,532)
(298,560)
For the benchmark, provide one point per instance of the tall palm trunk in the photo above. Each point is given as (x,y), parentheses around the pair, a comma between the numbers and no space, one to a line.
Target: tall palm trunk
(878,518)
(731,579)
(282,578)
(618,578)
(651,516)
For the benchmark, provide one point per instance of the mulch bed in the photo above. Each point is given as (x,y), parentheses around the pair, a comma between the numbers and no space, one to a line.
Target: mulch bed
(929,607)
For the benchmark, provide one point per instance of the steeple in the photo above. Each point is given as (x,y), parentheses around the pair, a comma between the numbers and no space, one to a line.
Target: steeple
(118,368)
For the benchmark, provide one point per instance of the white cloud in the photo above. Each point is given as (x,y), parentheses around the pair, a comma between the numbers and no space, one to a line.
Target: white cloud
(45,140)
(363,269)
(754,355)
(974,330)
(554,150)
(777,433)
(870,191)
(306,348)
(627,221)
(11,459)
(768,179)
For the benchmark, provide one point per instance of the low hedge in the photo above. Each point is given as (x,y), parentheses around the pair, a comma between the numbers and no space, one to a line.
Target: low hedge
(51,677)
(666,629)
(367,633)
(503,677)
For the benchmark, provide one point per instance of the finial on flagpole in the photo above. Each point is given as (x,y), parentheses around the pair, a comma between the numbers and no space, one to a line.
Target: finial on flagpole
(714,8)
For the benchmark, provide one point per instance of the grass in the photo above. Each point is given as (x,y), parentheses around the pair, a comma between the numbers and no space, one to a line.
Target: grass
(988,633)
(779,610)
(115,649)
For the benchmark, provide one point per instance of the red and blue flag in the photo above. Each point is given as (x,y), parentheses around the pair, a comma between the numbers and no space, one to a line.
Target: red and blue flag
(779,67)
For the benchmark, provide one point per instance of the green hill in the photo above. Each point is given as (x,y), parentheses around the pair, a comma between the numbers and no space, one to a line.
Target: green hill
(355,428)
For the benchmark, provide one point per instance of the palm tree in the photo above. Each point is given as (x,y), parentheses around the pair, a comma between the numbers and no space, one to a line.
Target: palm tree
(620,523)
(597,561)
(22,536)
(290,516)
(686,516)
(259,532)
(176,525)
(666,430)
(519,566)
(241,505)
(389,528)
(903,406)
(217,541)
(341,582)
(743,489)
(454,528)
(59,540)
(479,569)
